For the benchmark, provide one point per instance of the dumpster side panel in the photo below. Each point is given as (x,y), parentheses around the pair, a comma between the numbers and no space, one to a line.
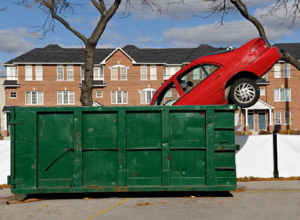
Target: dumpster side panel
(24,128)
(55,149)
(143,146)
(187,147)
(224,148)
(100,149)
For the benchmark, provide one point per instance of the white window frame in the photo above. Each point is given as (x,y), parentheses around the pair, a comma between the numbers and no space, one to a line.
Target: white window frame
(144,95)
(287,70)
(262,92)
(11,93)
(153,72)
(28,72)
(277,70)
(69,94)
(58,73)
(143,72)
(282,95)
(11,73)
(170,71)
(123,97)
(277,116)
(285,122)
(99,96)
(39,73)
(82,70)
(98,73)
(39,97)
(70,72)
(123,73)
(114,73)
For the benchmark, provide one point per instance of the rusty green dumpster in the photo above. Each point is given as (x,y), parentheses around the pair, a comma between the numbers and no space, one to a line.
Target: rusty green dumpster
(120,149)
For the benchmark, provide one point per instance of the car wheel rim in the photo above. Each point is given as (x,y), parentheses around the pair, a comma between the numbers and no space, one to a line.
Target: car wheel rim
(244,93)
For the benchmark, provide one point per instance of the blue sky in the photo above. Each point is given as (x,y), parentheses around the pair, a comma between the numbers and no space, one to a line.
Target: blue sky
(177,25)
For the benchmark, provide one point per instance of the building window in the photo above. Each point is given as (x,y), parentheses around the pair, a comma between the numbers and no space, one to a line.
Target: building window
(60,73)
(147,95)
(287,118)
(28,72)
(99,94)
(170,71)
(98,73)
(277,70)
(70,73)
(277,118)
(265,77)
(282,95)
(38,73)
(123,73)
(287,70)
(143,72)
(82,70)
(13,95)
(114,73)
(34,98)
(119,97)
(65,97)
(262,92)
(153,73)
(12,73)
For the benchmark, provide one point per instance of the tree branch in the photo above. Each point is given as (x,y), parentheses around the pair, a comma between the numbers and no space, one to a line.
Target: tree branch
(101,7)
(242,7)
(98,31)
(52,8)
(287,57)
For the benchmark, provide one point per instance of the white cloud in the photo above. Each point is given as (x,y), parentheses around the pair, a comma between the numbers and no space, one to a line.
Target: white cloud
(16,41)
(231,33)
(175,9)
(106,46)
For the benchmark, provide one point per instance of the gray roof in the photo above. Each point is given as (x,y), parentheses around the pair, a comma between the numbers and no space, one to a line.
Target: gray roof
(292,48)
(53,53)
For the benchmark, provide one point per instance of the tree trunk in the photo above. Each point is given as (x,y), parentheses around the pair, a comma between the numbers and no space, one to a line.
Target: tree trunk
(87,84)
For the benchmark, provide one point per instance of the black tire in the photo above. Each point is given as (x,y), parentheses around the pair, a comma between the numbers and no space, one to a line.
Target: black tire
(244,92)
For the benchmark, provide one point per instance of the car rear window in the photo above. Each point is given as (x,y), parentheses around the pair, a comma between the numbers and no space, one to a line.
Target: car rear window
(195,75)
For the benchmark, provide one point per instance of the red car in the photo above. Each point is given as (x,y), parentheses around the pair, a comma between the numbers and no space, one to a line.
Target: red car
(220,78)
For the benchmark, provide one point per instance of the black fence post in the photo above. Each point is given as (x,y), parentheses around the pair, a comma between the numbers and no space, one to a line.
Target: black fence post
(275,151)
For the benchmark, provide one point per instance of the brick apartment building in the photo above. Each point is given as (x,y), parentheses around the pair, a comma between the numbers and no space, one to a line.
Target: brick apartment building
(52,76)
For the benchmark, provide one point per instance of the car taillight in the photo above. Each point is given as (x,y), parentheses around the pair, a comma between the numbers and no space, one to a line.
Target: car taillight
(259,45)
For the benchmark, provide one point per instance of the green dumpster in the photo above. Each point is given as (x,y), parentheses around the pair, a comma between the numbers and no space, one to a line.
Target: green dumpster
(120,149)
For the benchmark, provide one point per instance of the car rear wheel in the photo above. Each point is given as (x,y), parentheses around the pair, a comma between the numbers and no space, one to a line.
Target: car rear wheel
(244,92)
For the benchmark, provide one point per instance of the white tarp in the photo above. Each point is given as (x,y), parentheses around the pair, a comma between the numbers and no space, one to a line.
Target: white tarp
(288,155)
(256,155)
(4,161)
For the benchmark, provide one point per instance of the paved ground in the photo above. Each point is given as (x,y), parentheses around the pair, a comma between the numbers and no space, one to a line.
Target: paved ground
(254,200)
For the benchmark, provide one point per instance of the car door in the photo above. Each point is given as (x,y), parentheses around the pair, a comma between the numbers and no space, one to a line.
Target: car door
(202,84)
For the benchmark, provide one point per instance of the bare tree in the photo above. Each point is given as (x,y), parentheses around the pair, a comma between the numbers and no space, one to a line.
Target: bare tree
(56,10)
(291,8)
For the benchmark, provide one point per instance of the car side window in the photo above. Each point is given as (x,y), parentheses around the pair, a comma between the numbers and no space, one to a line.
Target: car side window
(193,76)
(168,96)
